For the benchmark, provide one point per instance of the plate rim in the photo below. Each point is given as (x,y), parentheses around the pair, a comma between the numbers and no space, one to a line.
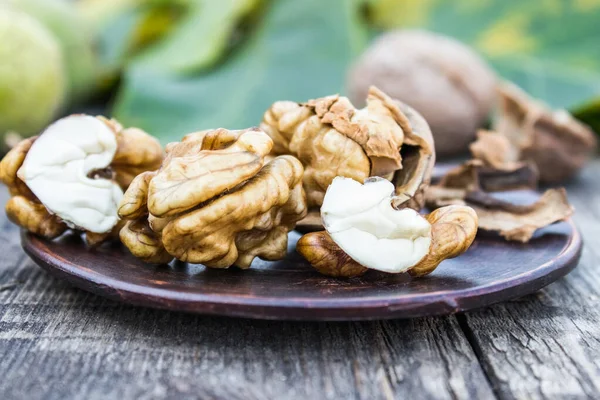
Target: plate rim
(311,309)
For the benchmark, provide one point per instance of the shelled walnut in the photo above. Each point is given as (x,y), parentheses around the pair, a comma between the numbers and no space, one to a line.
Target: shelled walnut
(215,200)
(332,138)
(73,175)
(365,231)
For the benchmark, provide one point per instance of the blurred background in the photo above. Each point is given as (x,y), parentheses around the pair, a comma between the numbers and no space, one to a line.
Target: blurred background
(172,67)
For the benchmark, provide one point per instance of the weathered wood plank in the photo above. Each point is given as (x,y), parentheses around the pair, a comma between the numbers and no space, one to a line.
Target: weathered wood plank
(547,345)
(57,342)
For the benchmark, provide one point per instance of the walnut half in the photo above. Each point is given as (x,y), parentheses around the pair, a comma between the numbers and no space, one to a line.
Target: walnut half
(367,232)
(215,201)
(73,175)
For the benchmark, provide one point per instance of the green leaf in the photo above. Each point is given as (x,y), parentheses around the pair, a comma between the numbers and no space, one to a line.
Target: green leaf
(200,38)
(548,47)
(98,13)
(76,41)
(590,114)
(115,40)
(134,28)
(300,50)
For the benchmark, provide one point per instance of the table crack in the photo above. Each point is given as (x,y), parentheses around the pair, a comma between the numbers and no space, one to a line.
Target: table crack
(488,372)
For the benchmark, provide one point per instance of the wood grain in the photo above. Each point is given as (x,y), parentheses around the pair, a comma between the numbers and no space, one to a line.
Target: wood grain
(547,345)
(57,342)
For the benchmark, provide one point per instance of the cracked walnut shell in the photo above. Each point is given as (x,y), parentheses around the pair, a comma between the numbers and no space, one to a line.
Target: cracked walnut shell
(557,143)
(215,201)
(332,138)
(472,184)
(73,176)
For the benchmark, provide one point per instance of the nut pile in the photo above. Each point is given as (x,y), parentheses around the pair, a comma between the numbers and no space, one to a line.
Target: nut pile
(354,179)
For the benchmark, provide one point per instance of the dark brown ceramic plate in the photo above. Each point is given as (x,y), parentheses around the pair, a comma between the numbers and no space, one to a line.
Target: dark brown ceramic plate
(491,271)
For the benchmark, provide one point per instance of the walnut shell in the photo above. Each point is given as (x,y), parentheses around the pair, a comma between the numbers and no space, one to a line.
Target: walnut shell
(332,138)
(215,201)
(472,183)
(444,80)
(556,142)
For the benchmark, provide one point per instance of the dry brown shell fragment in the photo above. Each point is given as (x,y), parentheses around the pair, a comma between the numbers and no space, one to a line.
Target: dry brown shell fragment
(332,138)
(471,184)
(475,176)
(216,201)
(73,176)
(494,150)
(556,142)
(519,222)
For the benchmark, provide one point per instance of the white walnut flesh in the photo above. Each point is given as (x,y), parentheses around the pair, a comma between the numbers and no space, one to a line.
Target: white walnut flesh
(362,221)
(64,169)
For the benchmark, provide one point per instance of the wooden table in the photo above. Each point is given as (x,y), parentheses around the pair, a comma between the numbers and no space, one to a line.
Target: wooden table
(57,342)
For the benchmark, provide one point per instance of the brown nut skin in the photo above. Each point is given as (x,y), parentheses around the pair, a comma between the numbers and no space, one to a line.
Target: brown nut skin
(136,152)
(453,229)
(556,142)
(215,201)
(136,234)
(33,217)
(327,257)
(143,242)
(444,80)
(332,138)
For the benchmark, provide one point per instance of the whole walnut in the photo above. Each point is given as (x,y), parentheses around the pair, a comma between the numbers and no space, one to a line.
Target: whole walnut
(332,138)
(444,80)
(215,201)
(32,77)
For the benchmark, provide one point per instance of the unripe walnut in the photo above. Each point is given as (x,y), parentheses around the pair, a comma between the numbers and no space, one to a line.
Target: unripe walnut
(32,74)
(444,80)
